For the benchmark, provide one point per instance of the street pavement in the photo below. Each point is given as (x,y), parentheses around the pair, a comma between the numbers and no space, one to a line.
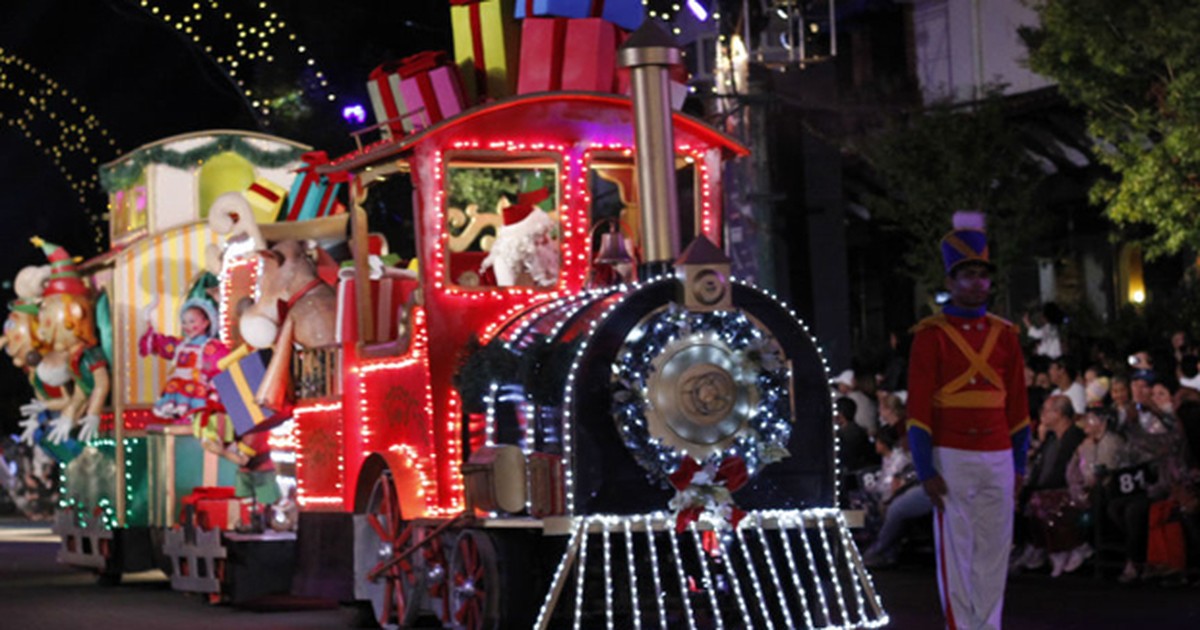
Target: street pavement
(35,592)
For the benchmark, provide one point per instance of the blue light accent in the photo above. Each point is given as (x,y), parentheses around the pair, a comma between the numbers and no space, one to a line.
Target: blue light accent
(355,113)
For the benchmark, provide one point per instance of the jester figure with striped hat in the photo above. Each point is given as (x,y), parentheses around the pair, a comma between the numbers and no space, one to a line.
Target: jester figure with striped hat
(72,354)
(969,430)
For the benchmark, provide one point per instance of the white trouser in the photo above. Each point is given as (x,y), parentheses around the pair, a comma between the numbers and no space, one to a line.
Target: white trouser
(973,535)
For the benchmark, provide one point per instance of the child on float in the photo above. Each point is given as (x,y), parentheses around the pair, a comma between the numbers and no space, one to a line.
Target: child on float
(193,359)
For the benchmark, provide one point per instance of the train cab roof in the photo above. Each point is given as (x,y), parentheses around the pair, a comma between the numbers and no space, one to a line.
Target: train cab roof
(585,119)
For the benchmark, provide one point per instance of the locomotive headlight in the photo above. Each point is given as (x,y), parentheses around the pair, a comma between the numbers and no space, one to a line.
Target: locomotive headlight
(700,395)
(701,385)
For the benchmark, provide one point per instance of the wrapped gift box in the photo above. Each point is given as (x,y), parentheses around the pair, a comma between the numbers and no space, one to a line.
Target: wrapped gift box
(313,195)
(214,508)
(266,199)
(415,92)
(242,374)
(486,46)
(176,463)
(546,495)
(548,63)
(628,14)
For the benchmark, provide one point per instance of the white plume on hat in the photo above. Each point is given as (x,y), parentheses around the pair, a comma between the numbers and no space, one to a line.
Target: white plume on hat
(845,378)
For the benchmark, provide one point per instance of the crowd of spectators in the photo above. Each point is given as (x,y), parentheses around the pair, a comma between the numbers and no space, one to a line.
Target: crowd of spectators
(1112,465)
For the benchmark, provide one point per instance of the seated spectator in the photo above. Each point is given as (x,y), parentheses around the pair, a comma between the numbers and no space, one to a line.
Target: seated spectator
(891,410)
(1155,451)
(1096,383)
(865,414)
(1122,401)
(909,502)
(854,445)
(896,461)
(1053,518)
(1063,375)
(1100,452)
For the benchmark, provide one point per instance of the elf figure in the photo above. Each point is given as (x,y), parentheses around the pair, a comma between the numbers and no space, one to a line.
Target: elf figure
(24,348)
(66,328)
(256,481)
(193,357)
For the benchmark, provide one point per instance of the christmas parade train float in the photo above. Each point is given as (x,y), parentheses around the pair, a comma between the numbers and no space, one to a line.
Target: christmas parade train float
(535,407)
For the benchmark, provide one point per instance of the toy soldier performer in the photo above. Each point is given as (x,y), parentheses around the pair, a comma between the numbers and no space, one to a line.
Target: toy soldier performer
(969,430)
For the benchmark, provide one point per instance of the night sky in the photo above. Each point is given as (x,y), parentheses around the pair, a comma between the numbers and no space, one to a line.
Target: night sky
(144,80)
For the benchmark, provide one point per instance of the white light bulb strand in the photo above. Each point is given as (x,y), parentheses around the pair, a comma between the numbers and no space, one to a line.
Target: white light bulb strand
(734,579)
(659,595)
(853,564)
(709,584)
(786,524)
(770,557)
(543,615)
(684,595)
(581,573)
(608,581)
(833,573)
(758,590)
(635,606)
(812,568)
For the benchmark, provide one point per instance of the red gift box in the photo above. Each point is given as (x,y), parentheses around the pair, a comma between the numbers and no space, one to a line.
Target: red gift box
(415,92)
(548,63)
(215,508)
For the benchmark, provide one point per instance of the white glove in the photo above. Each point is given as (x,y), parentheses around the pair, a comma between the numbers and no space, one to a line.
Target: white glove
(60,429)
(32,408)
(146,313)
(30,425)
(89,426)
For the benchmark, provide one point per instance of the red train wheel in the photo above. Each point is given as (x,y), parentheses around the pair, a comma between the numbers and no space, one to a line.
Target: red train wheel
(474,583)
(393,590)
(433,557)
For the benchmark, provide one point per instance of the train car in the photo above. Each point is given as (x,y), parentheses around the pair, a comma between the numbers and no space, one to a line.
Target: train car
(124,491)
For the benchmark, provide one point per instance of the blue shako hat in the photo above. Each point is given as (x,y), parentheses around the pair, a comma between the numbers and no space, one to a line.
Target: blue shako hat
(965,245)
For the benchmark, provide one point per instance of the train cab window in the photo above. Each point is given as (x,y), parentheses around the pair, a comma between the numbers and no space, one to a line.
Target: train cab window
(613,182)
(502,224)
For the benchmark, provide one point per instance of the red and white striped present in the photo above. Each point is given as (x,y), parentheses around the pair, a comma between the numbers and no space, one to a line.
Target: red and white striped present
(415,92)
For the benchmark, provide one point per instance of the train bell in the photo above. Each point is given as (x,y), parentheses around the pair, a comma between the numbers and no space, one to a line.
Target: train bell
(612,250)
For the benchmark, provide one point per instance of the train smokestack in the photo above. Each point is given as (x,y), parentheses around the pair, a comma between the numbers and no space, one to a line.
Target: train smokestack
(648,53)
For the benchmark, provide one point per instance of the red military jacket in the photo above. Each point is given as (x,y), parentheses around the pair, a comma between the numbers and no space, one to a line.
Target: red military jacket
(966,382)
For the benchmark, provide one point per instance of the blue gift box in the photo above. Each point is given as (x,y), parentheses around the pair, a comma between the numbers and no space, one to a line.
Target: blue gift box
(236,387)
(627,14)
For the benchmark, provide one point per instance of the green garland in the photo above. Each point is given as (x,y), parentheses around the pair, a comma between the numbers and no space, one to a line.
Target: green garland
(125,173)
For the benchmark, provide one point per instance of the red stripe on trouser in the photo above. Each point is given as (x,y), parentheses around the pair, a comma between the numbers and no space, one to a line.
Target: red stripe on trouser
(942,568)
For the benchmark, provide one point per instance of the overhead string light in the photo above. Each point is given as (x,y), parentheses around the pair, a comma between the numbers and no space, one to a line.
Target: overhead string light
(63,129)
(256,48)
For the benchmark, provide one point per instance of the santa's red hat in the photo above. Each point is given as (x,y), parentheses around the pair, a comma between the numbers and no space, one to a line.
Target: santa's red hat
(64,277)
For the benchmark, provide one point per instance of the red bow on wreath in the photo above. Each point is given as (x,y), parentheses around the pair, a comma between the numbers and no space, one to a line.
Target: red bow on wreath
(731,474)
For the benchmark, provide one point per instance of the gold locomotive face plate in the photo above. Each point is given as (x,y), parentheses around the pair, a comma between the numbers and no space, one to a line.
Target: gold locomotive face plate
(700,395)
